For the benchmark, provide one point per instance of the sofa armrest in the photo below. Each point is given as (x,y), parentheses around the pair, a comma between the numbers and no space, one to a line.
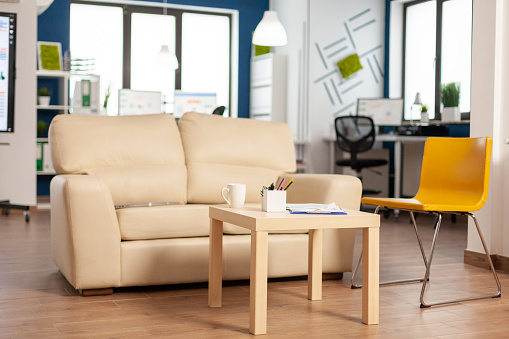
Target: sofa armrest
(85,236)
(344,190)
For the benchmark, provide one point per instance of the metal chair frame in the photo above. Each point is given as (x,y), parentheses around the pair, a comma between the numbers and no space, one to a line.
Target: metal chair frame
(427,263)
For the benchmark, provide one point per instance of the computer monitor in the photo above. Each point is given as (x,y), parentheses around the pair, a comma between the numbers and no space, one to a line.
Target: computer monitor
(383,111)
(7,68)
(132,102)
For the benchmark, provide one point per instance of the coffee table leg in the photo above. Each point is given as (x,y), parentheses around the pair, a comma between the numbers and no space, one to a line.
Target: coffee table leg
(315,264)
(258,283)
(370,275)
(215,263)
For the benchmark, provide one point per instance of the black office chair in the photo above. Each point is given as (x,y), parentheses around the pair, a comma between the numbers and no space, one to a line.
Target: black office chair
(356,134)
(219,110)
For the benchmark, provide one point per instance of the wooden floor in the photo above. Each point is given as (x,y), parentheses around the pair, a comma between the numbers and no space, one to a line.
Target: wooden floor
(36,301)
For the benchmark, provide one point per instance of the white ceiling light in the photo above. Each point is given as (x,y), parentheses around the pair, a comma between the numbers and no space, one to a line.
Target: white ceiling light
(166,58)
(270,31)
(43,5)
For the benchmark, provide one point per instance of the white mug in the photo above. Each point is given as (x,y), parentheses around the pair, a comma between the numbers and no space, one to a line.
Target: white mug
(236,195)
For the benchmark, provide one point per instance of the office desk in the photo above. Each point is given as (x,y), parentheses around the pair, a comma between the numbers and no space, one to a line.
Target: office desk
(398,141)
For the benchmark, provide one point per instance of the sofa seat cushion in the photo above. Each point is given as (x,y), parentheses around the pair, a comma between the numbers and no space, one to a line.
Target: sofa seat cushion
(173,221)
(164,222)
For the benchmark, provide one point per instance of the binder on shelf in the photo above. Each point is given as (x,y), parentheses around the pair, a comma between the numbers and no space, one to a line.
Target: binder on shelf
(39,156)
(46,156)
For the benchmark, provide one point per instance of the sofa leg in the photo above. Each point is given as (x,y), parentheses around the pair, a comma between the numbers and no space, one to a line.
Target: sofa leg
(97,291)
(332,276)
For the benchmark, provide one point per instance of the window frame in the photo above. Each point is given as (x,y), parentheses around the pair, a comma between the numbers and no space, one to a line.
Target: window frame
(177,12)
(438,54)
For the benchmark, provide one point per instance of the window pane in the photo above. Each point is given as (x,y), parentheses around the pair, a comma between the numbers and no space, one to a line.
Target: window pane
(420,48)
(457,47)
(149,32)
(206,55)
(96,33)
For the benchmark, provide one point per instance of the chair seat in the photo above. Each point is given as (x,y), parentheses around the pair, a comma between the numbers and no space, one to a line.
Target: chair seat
(362,163)
(419,205)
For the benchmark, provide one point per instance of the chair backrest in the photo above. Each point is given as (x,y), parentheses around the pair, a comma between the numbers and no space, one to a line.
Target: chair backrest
(455,174)
(219,110)
(354,134)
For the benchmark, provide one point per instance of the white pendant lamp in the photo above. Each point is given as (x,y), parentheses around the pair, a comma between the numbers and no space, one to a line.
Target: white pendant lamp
(166,58)
(43,5)
(270,31)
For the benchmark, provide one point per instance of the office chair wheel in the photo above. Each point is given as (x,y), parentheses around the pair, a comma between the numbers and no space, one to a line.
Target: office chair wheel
(387,213)
(425,306)
(27,216)
(6,211)
(354,287)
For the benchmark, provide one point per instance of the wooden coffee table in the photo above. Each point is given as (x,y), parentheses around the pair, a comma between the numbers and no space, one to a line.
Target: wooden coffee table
(261,223)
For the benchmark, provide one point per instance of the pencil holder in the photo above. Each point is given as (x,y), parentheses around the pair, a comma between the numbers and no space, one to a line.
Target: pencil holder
(274,201)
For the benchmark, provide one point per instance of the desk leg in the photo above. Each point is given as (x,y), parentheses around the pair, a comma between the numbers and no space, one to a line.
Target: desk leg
(215,263)
(370,275)
(397,173)
(258,283)
(315,264)
(332,157)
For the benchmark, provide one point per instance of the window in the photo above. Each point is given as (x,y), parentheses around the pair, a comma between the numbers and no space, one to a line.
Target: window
(97,47)
(437,49)
(123,42)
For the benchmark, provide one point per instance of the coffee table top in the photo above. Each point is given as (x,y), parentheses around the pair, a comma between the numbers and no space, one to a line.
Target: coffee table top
(255,219)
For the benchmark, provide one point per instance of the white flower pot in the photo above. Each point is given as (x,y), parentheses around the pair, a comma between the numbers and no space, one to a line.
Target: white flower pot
(43,100)
(451,114)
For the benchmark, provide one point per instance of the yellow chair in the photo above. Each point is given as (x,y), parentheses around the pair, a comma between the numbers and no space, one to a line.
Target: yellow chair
(454,179)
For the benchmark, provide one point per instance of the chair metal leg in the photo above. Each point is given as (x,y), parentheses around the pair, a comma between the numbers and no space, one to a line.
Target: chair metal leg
(428,267)
(392,282)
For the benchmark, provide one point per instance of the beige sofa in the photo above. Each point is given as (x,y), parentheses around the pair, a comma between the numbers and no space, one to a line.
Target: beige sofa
(104,161)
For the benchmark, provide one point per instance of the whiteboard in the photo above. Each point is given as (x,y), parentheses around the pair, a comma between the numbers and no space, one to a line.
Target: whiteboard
(132,102)
(383,111)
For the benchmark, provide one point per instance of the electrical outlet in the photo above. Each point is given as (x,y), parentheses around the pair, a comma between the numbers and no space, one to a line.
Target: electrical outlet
(507,141)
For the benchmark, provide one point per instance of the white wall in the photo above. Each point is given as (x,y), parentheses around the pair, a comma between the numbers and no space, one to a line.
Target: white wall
(490,90)
(17,160)
(332,30)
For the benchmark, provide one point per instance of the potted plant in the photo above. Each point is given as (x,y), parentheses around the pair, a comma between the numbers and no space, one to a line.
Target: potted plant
(41,129)
(424,113)
(107,94)
(44,96)
(450,94)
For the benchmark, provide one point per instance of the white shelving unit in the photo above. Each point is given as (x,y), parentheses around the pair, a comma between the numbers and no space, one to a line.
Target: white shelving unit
(62,107)
(63,85)
(268,87)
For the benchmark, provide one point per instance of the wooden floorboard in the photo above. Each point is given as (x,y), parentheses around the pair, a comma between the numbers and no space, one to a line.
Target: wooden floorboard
(36,300)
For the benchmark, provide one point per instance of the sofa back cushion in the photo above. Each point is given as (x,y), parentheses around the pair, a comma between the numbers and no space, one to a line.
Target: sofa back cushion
(140,158)
(222,150)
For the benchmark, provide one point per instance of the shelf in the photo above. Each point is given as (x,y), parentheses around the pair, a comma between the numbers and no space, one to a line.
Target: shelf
(46,173)
(52,74)
(53,107)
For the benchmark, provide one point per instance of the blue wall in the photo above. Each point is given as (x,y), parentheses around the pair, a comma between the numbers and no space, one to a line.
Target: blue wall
(53,25)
